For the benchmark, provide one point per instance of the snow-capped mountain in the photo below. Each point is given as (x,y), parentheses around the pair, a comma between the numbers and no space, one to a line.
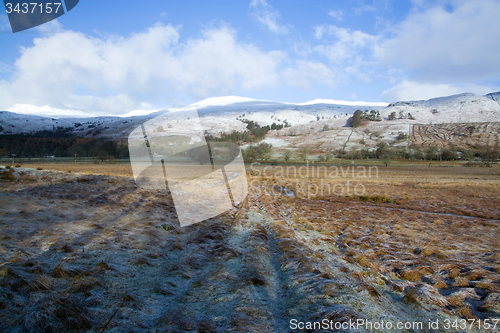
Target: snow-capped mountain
(229,113)
(218,115)
(440,122)
(462,108)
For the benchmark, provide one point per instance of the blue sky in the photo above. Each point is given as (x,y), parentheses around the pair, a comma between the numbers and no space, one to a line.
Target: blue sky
(112,57)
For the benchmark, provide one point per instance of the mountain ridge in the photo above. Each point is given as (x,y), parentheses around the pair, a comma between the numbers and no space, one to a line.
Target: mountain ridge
(228,113)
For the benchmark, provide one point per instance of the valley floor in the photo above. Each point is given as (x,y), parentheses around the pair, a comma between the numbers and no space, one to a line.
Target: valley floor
(90,251)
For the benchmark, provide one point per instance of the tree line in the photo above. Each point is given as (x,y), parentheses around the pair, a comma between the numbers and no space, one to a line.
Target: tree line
(30,146)
(254,133)
(432,153)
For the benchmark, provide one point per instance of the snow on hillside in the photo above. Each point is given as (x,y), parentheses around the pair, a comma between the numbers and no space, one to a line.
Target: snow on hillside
(226,114)
(218,115)
(462,108)
(268,112)
(332,134)
(113,127)
(494,96)
(49,111)
(337,102)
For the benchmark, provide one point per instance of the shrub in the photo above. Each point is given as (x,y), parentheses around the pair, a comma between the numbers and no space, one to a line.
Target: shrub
(448,155)
(262,151)
(7,174)
(287,155)
(303,153)
(402,136)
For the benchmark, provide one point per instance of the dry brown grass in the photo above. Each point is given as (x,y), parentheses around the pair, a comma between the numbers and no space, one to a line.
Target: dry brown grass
(411,275)
(477,274)
(123,170)
(432,235)
(488,285)
(100,242)
(440,284)
(467,312)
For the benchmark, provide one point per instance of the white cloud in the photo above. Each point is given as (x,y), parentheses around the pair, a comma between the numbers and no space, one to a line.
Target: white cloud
(411,90)
(111,104)
(350,52)
(117,73)
(438,44)
(345,43)
(302,49)
(319,31)
(50,27)
(306,72)
(365,8)
(336,14)
(456,44)
(266,15)
(4,67)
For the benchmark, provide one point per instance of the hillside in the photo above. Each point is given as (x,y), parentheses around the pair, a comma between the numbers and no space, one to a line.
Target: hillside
(321,125)
(462,108)
(441,122)
(218,115)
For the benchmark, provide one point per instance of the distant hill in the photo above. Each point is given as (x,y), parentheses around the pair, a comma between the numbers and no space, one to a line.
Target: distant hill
(462,108)
(219,115)
(322,125)
(460,121)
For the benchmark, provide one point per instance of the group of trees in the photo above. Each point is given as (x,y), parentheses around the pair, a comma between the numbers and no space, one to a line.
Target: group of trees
(402,115)
(40,146)
(261,151)
(359,115)
(385,152)
(254,133)
(371,115)
(300,154)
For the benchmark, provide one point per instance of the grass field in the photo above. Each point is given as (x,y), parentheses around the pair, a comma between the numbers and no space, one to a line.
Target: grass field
(87,250)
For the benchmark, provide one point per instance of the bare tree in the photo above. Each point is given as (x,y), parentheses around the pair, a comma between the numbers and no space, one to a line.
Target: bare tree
(303,153)
(287,155)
